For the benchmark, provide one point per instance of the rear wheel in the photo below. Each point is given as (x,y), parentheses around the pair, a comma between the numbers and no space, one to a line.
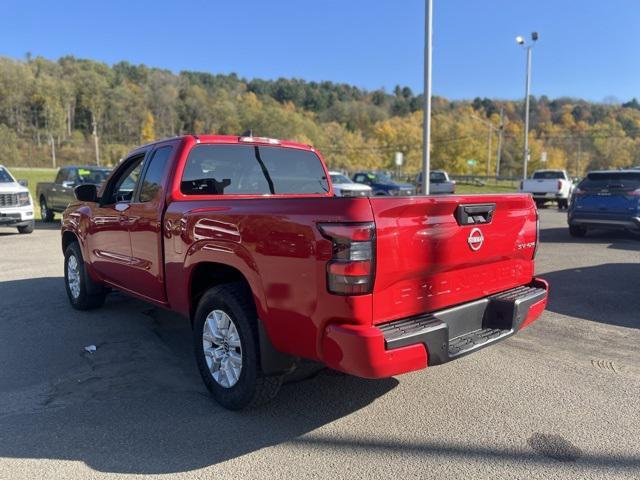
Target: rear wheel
(539,203)
(46,214)
(563,203)
(577,231)
(227,348)
(83,293)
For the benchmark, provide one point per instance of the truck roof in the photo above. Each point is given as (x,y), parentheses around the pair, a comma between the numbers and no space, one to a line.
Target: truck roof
(613,170)
(239,139)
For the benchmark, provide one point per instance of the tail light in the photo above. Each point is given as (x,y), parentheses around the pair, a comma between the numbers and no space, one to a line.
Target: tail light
(559,185)
(535,249)
(351,268)
(634,193)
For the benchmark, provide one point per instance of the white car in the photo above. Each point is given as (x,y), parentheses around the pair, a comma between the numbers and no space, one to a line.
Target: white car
(549,185)
(16,204)
(344,187)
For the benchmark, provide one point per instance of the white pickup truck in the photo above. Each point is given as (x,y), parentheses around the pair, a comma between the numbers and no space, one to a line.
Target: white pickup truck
(549,186)
(16,205)
(439,183)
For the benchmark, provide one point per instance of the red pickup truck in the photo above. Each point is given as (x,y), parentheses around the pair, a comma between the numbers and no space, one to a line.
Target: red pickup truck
(244,236)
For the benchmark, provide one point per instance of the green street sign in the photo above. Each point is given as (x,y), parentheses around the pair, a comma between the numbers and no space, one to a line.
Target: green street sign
(471,162)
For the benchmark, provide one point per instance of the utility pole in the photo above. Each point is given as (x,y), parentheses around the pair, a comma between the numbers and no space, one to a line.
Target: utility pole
(578,157)
(426,129)
(489,150)
(489,124)
(95,137)
(527,89)
(500,134)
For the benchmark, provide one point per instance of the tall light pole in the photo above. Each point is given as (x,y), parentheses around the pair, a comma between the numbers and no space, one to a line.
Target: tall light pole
(489,124)
(527,87)
(426,128)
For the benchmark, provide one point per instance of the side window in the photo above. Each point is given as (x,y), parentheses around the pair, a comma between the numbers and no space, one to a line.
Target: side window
(121,187)
(360,178)
(72,176)
(152,181)
(61,176)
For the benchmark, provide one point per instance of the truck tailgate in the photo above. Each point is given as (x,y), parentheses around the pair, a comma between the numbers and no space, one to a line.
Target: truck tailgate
(540,186)
(426,260)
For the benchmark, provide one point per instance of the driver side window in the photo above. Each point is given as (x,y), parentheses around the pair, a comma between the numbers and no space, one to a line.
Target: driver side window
(123,184)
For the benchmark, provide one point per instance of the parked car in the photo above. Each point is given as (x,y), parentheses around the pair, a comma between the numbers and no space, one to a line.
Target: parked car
(345,187)
(549,185)
(382,184)
(244,236)
(54,197)
(16,204)
(439,183)
(609,199)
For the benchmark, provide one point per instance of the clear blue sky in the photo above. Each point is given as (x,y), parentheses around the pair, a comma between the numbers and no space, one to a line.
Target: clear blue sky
(587,48)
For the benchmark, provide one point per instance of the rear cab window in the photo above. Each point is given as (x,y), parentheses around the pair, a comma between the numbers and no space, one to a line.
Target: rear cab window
(437,177)
(549,175)
(252,170)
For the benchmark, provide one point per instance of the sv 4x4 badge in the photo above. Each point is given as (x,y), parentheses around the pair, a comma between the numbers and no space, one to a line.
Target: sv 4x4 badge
(476,239)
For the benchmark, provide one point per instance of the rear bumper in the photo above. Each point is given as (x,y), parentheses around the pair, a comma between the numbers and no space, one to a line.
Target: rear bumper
(547,196)
(610,220)
(414,343)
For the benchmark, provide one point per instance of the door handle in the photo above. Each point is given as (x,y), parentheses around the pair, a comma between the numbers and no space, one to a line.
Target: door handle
(474,214)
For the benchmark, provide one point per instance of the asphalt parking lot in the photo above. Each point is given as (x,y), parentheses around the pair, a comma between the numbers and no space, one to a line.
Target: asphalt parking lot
(560,400)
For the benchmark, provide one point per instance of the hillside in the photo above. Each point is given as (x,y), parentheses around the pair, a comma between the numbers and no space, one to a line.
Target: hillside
(55,112)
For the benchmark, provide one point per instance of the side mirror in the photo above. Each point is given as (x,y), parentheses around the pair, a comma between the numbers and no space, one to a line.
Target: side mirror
(23,183)
(86,192)
(68,184)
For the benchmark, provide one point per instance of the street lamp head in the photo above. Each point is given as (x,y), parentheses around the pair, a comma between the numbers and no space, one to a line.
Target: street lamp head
(520,40)
(534,36)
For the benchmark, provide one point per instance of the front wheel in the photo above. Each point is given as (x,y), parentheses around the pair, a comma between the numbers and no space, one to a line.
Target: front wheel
(227,348)
(83,292)
(577,231)
(27,228)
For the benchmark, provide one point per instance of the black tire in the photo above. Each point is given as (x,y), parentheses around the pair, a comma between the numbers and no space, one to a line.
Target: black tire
(90,294)
(252,387)
(563,203)
(539,203)
(577,231)
(46,214)
(27,228)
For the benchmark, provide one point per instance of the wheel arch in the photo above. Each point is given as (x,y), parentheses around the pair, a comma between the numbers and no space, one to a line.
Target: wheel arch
(206,275)
(68,237)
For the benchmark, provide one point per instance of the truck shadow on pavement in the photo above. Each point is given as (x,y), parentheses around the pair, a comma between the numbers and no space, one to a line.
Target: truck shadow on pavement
(615,300)
(136,405)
